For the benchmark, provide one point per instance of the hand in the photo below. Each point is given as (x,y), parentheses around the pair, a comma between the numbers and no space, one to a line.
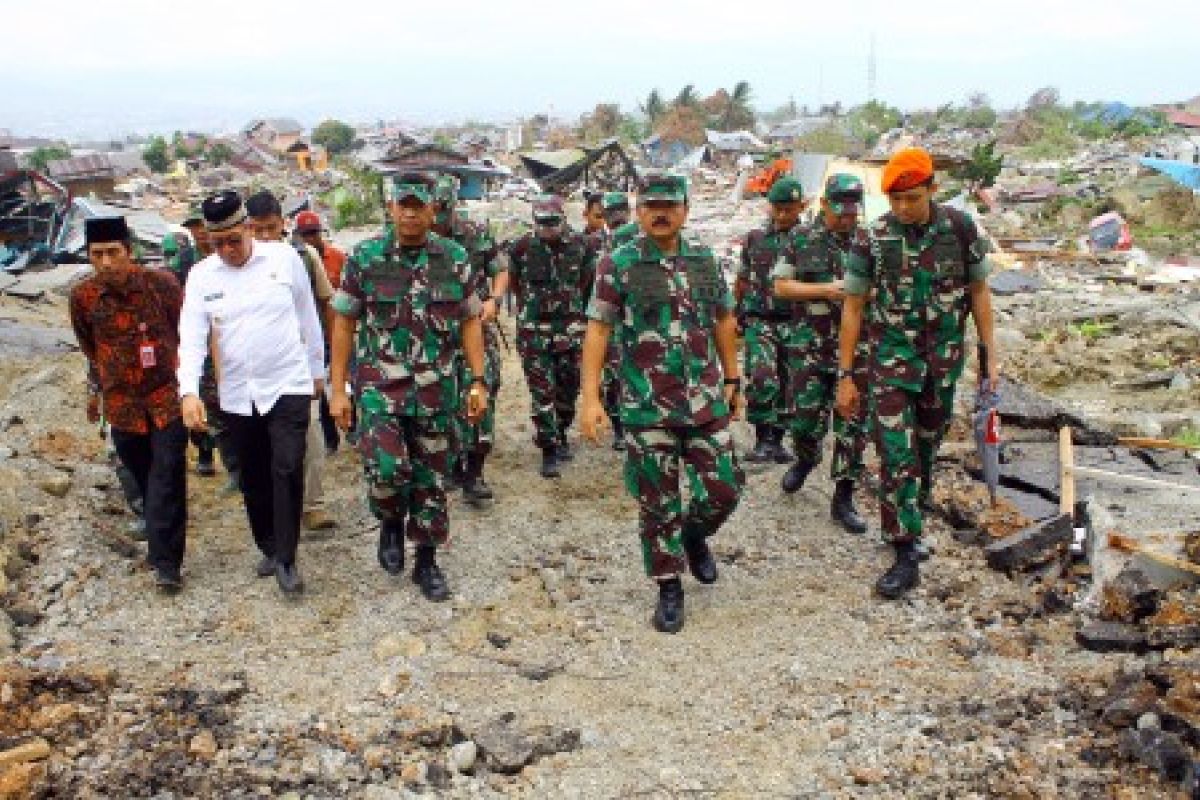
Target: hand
(490,311)
(592,419)
(194,415)
(318,387)
(477,403)
(339,409)
(735,401)
(835,291)
(846,400)
(994,375)
(93,408)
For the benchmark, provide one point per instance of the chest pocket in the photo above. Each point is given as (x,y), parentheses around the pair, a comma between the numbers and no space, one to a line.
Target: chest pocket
(649,290)
(948,256)
(704,281)
(540,267)
(390,283)
(814,262)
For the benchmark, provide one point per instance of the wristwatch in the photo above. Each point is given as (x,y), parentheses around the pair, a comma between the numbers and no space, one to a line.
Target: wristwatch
(736,383)
(844,373)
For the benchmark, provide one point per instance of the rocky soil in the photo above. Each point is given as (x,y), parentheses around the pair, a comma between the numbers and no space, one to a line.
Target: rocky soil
(542,678)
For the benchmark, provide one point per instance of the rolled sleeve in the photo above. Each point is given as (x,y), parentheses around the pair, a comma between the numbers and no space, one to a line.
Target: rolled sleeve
(857,264)
(605,305)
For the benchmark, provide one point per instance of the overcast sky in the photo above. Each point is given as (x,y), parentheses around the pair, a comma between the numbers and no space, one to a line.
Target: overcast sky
(103,68)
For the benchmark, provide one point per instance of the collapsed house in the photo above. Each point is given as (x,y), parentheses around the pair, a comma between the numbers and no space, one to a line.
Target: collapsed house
(605,166)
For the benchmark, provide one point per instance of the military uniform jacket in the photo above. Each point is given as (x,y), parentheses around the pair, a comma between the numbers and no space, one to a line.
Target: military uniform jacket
(410,304)
(919,275)
(761,251)
(663,310)
(625,234)
(482,251)
(815,255)
(552,282)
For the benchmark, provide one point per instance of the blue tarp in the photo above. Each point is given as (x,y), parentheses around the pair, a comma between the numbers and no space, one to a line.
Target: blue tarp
(1181,172)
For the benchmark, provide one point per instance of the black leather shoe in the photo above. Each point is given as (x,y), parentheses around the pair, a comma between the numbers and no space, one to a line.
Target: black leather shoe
(700,559)
(842,508)
(763,452)
(454,478)
(550,463)
(288,578)
(266,567)
(564,452)
(168,580)
(668,614)
(902,576)
(925,498)
(795,477)
(391,546)
(428,576)
(779,452)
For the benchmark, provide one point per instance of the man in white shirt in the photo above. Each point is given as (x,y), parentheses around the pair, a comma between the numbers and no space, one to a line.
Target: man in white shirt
(255,298)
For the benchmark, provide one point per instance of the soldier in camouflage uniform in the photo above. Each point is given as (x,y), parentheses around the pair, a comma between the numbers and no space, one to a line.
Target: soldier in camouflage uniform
(665,301)
(767,321)
(489,270)
(551,270)
(409,296)
(922,268)
(810,275)
(616,216)
(593,216)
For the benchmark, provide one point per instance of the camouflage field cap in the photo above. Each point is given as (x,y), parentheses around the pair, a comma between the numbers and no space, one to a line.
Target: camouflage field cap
(446,189)
(612,200)
(844,193)
(547,205)
(786,190)
(663,186)
(412,184)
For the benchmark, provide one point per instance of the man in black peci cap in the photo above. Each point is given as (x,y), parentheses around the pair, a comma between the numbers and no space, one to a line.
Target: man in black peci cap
(254,297)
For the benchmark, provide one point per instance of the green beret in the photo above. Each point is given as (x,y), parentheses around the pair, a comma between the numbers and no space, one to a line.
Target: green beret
(786,190)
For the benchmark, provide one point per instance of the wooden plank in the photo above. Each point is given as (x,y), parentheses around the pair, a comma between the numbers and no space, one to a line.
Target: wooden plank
(1154,444)
(1129,545)
(1066,472)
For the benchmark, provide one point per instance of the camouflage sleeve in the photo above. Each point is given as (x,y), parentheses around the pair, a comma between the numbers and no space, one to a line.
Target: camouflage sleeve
(476,287)
(605,305)
(348,299)
(743,269)
(785,267)
(727,302)
(859,265)
(499,263)
(979,265)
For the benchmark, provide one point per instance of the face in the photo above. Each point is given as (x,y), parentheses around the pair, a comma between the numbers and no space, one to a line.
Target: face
(266,229)
(662,219)
(786,215)
(200,237)
(838,223)
(911,206)
(593,218)
(110,256)
(548,227)
(412,218)
(616,217)
(233,245)
(312,238)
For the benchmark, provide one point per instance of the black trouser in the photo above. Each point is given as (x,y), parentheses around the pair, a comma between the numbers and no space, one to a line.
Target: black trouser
(158,462)
(270,451)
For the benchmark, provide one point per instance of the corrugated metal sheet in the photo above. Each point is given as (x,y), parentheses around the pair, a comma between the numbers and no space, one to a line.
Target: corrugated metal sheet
(98,165)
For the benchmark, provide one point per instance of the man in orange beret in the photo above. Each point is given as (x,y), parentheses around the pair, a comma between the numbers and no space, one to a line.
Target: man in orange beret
(922,268)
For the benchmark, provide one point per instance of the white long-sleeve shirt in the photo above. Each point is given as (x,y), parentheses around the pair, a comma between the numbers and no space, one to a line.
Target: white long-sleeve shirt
(268,334)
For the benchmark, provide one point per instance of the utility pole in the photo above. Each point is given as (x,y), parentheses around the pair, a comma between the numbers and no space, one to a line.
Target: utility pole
(871,70)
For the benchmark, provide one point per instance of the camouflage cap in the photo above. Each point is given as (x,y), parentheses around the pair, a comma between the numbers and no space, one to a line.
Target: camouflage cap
(786,190)
(612,200)
(844,193)
(547,205)
(412,184)
(445,190)
(658,185)
(194,216)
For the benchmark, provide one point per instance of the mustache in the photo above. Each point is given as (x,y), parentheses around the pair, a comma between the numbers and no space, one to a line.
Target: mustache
(660,221)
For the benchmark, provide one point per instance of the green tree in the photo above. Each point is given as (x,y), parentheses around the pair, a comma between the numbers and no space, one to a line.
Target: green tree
(219,153)
(687,98)
(42,156)
(737,113)
(983,168)
(978,113)
(156,155)
(334,135)
(654,107)
(870,121)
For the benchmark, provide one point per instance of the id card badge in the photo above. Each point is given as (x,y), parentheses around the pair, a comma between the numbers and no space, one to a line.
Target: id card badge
(146,352)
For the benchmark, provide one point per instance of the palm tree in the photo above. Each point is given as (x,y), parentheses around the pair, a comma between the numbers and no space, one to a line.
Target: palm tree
(738,113)
(686,98)
(654,106)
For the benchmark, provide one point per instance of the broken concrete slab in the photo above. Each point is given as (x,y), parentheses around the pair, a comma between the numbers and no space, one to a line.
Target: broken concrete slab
(1130,597)
(1173,637)
(1024,407)
(1031,546)
(1010,282)
(1111,637)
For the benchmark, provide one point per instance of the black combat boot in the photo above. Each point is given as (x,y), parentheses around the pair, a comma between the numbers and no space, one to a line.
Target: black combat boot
(391,545)
(474,489)
(925,496)
(618,434)
(550,462)
(700,559)
(428,575)
(779,452)
(565,453)
(795,477)
(903,575)
(454,476)
(842,508)
(668,614)
(762,452)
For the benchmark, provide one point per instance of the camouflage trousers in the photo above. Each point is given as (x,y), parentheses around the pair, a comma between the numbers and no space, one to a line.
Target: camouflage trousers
(551,364)
(766,371)
(812,392)
(909,426)
(652,464)
(405,459)
(478,438)
(610,382)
